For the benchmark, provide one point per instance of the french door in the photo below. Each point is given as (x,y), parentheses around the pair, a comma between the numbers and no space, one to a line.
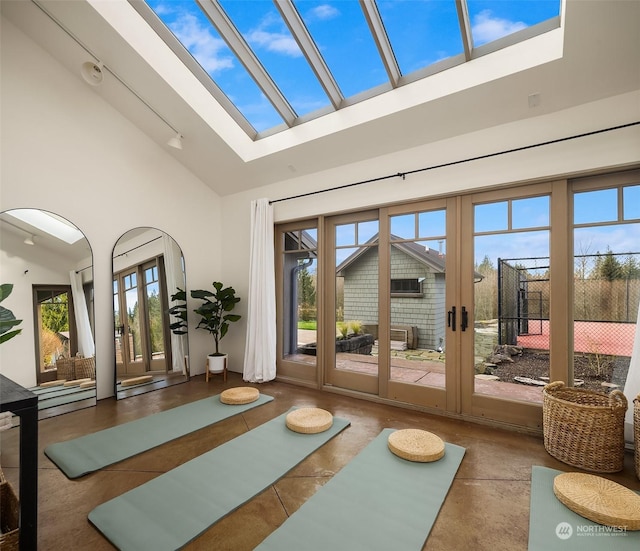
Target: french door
(140,320)
(390,277)
(471,304)
(511,270)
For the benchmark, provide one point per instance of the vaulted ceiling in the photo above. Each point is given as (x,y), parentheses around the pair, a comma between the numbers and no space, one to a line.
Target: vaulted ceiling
(593,55)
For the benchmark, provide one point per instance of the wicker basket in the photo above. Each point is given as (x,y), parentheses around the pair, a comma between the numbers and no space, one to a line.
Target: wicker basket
(584,429)
(636,432)
(9,516)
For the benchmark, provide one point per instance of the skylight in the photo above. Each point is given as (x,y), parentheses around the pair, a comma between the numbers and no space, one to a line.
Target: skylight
(276,64)
(49,223)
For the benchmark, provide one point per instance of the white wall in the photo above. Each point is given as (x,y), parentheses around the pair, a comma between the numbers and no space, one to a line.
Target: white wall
(67,151)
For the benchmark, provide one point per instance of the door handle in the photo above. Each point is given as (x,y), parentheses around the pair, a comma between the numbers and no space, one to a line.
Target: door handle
(451,318)
(464,322)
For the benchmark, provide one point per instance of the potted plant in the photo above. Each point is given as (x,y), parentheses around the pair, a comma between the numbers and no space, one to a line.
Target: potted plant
(7,320)
(215,317)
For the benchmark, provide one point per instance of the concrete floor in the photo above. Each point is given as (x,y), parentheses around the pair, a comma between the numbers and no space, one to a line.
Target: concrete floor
(487,506)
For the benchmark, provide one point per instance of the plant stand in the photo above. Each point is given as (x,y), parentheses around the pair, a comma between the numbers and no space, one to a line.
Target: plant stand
(221,367)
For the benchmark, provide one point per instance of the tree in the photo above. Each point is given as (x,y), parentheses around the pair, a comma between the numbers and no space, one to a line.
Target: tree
(608,267)
(55,313)
(306,294)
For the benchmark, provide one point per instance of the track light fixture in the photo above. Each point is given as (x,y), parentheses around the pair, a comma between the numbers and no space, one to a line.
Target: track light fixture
(176,141)
(92,73)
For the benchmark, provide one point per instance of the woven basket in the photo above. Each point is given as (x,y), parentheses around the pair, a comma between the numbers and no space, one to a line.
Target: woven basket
(636,432)
(584,429)
(66,369)
(9,516)
(85,368)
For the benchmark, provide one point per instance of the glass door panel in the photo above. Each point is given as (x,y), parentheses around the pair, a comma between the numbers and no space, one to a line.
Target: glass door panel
(421,347)
(418,298)
(129,338)
(154,313)
(354,312)
(511,298)
(606,236)
(504,318)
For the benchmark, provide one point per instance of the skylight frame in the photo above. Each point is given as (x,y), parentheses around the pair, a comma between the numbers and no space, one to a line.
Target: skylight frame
(292,19)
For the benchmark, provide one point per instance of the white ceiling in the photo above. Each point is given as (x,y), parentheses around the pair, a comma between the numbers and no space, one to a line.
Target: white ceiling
(601,58)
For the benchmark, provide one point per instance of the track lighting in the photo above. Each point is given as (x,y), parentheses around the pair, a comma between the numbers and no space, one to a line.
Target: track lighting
(176,141)
(92,73)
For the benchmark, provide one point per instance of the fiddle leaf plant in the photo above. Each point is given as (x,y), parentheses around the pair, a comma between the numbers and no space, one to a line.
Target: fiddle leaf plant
(179,311)
(7,320)
(215,311)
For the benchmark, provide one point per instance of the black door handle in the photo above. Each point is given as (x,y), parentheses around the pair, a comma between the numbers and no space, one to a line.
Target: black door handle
(464,322)
(451,318)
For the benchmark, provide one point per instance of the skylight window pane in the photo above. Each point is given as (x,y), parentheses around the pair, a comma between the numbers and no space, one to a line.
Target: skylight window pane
(342,35)
(421,33)
(49,223)
(493,19)
(192,28)
(267,34)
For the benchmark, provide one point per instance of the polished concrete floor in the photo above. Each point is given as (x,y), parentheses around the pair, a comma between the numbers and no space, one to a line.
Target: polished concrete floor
(487,506)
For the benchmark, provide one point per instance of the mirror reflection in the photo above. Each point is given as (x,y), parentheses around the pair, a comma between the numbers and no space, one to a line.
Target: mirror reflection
(49,262)
(151,342)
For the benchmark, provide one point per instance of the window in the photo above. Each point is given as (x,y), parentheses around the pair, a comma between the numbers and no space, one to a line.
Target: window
(406,287)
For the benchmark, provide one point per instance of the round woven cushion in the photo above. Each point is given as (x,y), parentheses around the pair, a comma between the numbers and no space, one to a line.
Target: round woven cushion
(309,420)
(239,395)
(416,445)
(598,499)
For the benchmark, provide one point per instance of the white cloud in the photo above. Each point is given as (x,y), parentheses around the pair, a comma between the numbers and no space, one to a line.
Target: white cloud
(487,28)
(280,43)
(206,48)
(323,12)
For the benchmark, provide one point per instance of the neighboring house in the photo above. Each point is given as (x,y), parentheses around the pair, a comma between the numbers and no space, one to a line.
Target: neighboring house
(417,292)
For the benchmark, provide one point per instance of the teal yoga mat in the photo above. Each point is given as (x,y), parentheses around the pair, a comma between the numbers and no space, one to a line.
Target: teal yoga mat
(92,452)
(174,508)
(553,526)
(378,501)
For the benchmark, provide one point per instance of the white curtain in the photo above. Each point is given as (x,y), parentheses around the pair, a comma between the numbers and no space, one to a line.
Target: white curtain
(260,347)
(632,384)
(86,345)
(175,278)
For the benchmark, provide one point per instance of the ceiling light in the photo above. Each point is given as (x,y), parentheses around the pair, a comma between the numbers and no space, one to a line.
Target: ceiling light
(29,240)
(92,73)
(176,141)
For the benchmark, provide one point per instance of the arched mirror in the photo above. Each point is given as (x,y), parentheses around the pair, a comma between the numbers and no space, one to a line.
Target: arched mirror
(149,312)
(49,262)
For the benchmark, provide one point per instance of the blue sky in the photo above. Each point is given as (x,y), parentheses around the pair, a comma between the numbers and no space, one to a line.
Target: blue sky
(422,32)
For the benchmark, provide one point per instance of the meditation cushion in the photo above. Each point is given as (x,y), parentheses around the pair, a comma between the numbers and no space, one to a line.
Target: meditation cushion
(57,382)
(136,380)
(416,445)
(309,420)
(75,382)
(598,499)
(239,395)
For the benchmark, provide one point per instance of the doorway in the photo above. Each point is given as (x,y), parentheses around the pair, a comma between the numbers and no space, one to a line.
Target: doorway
(140,320)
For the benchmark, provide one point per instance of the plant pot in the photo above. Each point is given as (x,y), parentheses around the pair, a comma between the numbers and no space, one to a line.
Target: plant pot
(216,365)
